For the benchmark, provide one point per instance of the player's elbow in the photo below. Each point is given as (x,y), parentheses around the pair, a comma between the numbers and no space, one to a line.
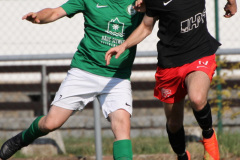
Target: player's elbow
(147,29)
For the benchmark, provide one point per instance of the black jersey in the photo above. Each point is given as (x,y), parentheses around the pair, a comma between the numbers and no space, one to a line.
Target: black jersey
(183,32)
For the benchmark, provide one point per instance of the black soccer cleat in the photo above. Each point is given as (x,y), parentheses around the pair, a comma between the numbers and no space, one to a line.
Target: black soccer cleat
(11,146)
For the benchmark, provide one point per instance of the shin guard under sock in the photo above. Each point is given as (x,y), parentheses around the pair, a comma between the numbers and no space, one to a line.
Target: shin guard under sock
(204,119)
(33,132)
(122,150)
(177,140)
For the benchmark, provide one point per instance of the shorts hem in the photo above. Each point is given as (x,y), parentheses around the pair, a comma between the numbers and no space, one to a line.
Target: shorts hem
(169,101)
(116,110)
(65,107)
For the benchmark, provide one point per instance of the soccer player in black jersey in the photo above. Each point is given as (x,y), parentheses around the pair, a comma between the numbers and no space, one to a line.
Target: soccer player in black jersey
(186,64)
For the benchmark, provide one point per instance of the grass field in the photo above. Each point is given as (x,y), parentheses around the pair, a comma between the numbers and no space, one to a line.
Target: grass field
(141,145)
(228,144)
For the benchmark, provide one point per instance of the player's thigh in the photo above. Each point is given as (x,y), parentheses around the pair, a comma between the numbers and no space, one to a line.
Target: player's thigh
(55,118)
(198,84)
(198,78)
(116,102)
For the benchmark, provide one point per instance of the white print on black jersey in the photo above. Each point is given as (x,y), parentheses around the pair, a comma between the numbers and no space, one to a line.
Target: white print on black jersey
(193,22)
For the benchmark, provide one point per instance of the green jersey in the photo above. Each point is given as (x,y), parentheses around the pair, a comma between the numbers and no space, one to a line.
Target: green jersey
(108,23)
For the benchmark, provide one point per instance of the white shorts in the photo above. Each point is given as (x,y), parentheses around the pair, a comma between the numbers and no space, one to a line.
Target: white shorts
(81,87)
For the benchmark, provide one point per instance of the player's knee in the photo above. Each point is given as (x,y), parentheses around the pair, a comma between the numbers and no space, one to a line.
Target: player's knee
(121,129)
(50,126)
(120,124)
(198,101)
(120,119)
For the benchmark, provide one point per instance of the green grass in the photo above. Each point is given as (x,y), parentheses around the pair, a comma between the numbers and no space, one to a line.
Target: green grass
(151,145)
(141,145)
(80,146)
(228,144)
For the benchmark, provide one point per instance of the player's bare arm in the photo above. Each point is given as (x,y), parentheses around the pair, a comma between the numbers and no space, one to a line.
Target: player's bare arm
(139,34)
(46,15)
(230,8)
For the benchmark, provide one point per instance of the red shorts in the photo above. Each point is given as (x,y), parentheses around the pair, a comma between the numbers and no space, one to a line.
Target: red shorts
(170,82)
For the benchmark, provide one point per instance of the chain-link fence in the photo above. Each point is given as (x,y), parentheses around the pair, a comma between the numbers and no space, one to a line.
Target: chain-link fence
(20,37)
(21,80)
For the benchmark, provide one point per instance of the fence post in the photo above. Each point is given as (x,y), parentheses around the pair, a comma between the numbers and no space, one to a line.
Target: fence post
(44,89)
(219,86)
(97,126)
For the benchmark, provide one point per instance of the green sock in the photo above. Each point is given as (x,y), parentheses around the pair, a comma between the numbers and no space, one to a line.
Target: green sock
(122,150)
(33,132)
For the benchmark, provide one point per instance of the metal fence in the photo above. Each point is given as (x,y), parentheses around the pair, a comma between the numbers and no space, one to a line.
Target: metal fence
(20,37)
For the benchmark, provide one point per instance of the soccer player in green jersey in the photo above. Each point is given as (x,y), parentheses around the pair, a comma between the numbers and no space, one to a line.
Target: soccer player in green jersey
(107,24)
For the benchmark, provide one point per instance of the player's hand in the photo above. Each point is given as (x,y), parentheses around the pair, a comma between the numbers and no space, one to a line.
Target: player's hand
(32,17)
(230,8)
(114,51)
(140,6)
